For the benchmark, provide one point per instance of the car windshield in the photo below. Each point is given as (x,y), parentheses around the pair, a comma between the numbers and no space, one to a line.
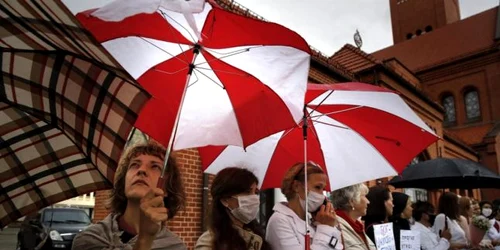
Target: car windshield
(66,216)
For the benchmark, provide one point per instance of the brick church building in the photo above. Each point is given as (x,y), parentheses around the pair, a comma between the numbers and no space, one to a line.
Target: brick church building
(446,69)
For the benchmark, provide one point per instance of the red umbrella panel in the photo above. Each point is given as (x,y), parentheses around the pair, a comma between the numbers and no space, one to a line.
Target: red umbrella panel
(217,77)
(356,132)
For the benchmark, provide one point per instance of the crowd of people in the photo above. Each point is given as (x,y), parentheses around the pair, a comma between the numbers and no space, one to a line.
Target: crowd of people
(345,220)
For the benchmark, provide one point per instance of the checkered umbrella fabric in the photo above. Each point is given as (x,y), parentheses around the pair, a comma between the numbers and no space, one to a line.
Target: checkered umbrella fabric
(66,108)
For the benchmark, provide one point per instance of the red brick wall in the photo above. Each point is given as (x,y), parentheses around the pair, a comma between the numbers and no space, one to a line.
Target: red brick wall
(409,16)
(101,199)
(187,224)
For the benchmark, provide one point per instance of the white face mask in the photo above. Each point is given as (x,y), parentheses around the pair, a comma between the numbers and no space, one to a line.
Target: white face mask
(248,208)
(487,212)
(314,201)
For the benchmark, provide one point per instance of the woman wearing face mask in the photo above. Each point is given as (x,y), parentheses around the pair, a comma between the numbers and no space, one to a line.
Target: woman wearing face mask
(351,204)
(423,213)
(286,227)
(401,215)
(494,231)
(379,210)
(235,205)
(486,209)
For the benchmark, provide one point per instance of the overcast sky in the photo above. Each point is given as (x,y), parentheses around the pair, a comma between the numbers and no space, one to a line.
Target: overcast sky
(327,24)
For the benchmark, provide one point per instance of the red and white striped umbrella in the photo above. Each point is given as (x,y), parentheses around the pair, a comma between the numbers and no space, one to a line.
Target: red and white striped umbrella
(356,132)
(225,79)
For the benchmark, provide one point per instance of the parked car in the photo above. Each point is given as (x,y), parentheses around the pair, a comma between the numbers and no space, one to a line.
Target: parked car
(58,228)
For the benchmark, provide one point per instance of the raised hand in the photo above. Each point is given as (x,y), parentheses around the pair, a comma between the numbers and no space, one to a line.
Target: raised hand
(326,215)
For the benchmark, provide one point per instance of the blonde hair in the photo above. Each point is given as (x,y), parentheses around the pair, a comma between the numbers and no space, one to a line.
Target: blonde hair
(296,173)
(465,204)
(176,199)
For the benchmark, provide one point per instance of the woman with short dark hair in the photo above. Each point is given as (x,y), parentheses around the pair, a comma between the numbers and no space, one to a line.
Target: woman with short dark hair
(379,210)
(401,215)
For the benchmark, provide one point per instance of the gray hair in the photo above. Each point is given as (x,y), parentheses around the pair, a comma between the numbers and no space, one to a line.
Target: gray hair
(341,198)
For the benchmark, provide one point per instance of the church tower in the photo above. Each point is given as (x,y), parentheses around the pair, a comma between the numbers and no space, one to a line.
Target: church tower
(412,18)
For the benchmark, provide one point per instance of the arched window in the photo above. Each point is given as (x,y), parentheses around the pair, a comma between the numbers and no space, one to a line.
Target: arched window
(448,103)
(472,109)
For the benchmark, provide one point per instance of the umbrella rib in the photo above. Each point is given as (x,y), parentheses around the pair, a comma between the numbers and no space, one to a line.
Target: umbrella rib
(210,79)
(287,132)
(213,51)
(328,124)
(197,79)
(225,55)
(336,112)
(158,47)
(170,73)
(171,29)
(222,71)
(324,99)
(165,15)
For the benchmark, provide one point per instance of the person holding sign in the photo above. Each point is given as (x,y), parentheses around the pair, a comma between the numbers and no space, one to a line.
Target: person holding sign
(401,214)
(379,210)
(286,229)
(351,204)
(448,217)
(424,216)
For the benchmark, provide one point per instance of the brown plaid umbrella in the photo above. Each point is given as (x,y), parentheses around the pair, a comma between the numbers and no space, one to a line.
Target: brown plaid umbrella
(66,108)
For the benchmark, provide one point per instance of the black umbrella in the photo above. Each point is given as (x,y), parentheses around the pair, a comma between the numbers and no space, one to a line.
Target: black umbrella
(447,173)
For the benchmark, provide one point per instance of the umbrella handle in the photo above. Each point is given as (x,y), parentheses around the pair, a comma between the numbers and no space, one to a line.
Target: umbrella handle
(161,182)
(307,241)
(161,185)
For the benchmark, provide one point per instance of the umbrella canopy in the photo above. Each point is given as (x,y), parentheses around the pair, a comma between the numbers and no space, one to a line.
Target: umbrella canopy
(356,132)
(66,109)
(217,77)
(447,173)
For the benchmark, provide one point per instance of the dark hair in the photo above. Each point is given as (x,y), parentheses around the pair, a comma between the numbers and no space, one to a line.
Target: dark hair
(176,199)
(422,207)
(229,182)
(448,205)
(376,211)
(482,203)
(496,204)
(297,173)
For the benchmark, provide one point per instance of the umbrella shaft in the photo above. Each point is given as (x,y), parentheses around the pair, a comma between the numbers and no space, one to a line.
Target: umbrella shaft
(177,117)
(305,175)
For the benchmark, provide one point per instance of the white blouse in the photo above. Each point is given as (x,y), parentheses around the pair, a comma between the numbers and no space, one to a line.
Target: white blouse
(457,233)
(286,231)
